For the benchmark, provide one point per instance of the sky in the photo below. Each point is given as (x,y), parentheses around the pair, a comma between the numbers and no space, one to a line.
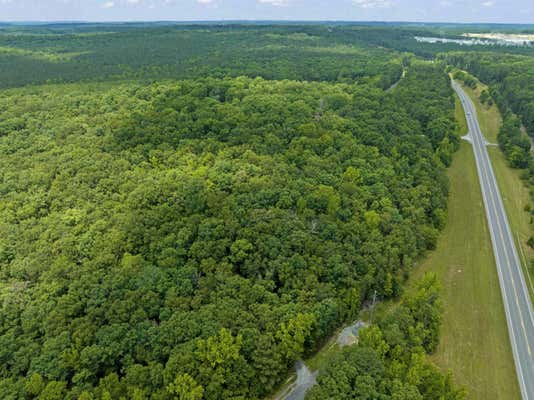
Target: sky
(494,11)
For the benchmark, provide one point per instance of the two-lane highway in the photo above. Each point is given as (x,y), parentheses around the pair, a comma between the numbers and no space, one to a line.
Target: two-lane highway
(516,299)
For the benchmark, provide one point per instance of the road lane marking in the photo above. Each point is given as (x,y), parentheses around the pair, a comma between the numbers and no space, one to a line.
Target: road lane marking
(525,262)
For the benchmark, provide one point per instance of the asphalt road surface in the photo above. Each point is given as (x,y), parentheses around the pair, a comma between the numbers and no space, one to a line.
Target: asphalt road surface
(516,299)
(305,381)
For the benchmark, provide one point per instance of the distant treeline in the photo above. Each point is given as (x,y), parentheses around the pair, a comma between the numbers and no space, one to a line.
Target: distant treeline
(311,53)
(314,52)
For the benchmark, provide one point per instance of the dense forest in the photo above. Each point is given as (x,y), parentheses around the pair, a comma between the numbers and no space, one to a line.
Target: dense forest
(199,208)
(389,361)
(313,53)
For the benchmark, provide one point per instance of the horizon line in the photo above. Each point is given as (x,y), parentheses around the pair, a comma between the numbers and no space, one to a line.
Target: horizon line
(227,20)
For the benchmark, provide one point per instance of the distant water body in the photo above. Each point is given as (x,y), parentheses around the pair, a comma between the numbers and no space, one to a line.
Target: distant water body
(474,41)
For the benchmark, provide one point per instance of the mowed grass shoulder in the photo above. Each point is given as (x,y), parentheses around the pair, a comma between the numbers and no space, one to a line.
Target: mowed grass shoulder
(489,117)
(474,342)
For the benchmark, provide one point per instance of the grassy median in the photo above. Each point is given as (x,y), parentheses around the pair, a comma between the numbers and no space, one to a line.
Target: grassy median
(474,342)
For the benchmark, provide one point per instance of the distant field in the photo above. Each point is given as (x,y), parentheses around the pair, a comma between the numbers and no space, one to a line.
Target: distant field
(474,344)
(507,37)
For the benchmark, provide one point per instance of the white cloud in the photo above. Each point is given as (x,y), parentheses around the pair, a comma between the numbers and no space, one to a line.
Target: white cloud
(489,3)
(276,3)
(373,3)
(120,3)
(208,3)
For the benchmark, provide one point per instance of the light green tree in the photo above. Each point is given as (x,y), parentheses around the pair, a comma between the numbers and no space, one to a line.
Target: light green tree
(185,387)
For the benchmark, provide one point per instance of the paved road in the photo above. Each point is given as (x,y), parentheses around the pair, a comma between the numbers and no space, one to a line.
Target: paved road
(349,335)
(305,381)
(516,299)
(399,81)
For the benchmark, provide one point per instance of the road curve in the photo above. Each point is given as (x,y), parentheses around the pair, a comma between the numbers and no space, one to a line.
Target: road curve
(516,298)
